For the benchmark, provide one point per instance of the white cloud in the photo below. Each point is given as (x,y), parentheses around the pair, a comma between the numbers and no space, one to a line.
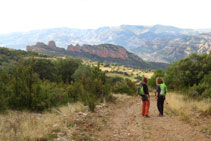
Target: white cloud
(23,15)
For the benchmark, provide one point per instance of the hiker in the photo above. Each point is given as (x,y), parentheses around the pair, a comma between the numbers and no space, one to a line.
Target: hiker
(144,93)
(161,91)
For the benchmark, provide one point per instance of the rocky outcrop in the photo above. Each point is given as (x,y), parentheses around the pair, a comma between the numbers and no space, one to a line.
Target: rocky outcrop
(103,50)
(107,53)
(52,44)
(50,49)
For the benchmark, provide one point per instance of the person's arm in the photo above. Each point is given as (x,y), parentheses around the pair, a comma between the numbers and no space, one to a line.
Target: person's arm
(157,91)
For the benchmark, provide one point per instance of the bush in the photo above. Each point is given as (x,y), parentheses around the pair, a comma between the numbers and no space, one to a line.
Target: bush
(82,70)
(203,89)
(89,86)
(4,82)
(66,68)
(46,69)
(3,104)
(132,86)
(191,74)
(37,85)
(126,86)
(91,103)
(21,88)
(76,92)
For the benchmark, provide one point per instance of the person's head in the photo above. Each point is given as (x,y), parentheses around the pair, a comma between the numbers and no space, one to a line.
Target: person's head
(144,80)
(159,80)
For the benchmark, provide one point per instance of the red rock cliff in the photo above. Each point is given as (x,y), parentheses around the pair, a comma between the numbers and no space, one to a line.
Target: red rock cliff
(103,50)
(52,44)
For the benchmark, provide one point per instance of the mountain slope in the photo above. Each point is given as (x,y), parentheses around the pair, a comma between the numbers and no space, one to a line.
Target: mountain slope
(107,53)
(175,49)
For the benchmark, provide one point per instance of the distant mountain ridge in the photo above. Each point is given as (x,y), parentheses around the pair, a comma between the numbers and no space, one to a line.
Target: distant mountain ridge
(144,41)
(107,53)
(175,49)
(125,35)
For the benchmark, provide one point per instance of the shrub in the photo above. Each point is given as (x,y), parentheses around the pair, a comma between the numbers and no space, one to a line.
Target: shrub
(3,104)
(191,74)
(32,85)
(127,87)
(66,68)
(46,69)
(81,70)
(4,81)
(91,103)
(76,92)
(89,86)
(132,86)
(203,89)
(113,80)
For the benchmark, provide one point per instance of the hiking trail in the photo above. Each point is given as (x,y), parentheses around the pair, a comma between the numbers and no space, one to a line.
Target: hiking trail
(125,123)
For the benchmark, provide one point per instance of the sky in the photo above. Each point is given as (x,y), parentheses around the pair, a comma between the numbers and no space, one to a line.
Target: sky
(25,15)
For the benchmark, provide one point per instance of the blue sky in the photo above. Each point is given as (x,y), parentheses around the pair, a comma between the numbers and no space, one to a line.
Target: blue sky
(25,15)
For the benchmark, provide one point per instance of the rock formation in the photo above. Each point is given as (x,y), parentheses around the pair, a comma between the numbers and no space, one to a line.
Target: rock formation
(52,44)
(103,50)
(107,53)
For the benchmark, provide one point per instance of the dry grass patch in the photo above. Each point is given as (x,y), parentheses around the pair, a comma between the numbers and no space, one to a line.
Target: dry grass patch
(17,125)
(191,111)
(181,104)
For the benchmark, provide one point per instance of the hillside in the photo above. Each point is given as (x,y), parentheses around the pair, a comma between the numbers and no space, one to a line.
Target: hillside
(106,53)
(8,57)
(175,49)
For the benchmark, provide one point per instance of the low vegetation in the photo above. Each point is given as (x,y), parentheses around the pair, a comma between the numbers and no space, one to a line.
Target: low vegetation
(22,125)
(37,83)
(183,105)
(8,57)
(189,110)
(191,76)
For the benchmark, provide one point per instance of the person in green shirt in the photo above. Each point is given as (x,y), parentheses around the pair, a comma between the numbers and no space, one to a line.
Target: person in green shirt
(161,91)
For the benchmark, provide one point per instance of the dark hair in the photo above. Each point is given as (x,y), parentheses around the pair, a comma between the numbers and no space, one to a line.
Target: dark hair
(144,80)
(159,80)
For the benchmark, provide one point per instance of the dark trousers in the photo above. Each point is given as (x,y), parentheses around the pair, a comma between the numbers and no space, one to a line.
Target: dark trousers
(160,103)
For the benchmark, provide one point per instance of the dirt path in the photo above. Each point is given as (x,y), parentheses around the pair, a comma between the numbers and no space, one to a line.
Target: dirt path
(125,123)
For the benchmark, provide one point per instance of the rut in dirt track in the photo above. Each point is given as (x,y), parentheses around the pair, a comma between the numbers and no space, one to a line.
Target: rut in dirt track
(127,124)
